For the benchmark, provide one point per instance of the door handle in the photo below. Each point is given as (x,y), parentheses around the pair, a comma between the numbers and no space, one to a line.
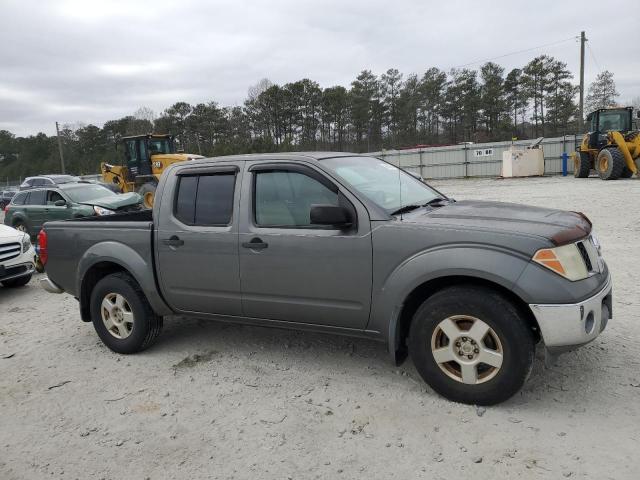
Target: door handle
(255,244)
(173,241)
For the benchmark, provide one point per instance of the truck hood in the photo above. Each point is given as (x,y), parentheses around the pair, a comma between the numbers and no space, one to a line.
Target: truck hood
(114,202)
(558,226)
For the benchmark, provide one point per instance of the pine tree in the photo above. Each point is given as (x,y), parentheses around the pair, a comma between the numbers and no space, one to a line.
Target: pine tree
(602,92)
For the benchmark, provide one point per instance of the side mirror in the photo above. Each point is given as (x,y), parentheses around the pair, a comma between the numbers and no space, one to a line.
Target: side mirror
(638,114)
(330,215)
(59,203)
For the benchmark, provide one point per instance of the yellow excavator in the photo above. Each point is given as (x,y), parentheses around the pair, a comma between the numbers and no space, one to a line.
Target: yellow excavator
(611,147)
(146,157)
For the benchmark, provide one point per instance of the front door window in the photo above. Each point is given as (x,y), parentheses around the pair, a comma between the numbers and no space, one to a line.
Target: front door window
(284,199)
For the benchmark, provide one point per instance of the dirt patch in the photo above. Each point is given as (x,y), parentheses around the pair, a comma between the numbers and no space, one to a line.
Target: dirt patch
(195,359)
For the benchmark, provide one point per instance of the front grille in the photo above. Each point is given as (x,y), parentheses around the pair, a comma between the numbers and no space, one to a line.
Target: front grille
(9,251)
(12,271)
(585,256)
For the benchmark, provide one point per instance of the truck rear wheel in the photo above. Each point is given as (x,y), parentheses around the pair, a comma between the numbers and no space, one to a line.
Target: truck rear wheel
(122,316)
(471,345)
(610,163)
(581,164)
(148,193)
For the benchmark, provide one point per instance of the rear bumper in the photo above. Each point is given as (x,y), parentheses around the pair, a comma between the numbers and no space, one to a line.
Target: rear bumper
(568,326)
(49,286)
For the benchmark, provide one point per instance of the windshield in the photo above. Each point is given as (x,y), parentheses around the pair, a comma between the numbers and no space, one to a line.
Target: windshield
(65,179)
(159,145)
(379,181)
(88,193)
(614,120)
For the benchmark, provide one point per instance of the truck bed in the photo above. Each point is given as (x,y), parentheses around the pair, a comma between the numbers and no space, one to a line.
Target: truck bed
(71,241)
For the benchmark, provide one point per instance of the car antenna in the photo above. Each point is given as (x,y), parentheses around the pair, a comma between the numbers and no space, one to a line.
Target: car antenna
(400,189)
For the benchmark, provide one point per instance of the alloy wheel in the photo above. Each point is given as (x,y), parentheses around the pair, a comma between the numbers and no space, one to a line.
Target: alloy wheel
(117,315)
(467,349)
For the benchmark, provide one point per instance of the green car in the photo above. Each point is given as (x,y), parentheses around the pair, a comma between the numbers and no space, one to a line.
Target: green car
(30,209)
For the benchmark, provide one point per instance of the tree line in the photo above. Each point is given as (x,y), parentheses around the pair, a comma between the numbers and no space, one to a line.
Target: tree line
(391,110)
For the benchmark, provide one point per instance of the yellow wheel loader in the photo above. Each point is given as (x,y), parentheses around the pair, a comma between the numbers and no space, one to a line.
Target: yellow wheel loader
(611,148)
(146,157)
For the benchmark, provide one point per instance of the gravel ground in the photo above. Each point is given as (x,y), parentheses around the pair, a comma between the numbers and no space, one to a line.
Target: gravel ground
(213,400)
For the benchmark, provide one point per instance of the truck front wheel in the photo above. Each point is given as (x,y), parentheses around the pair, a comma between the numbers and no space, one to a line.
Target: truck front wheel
(122,316)
(471,345)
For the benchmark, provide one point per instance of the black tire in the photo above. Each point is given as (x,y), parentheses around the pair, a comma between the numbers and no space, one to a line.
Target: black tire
(39,265)
(146,324)
(626,172)
(148,193)
(581,165)
(610,163)
(17,282)
(516,344)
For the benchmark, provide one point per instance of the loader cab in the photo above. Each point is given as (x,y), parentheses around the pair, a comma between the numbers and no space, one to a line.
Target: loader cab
(605,120)
(139,149)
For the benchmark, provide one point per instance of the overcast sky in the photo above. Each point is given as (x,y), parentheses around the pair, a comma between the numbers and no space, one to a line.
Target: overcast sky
(91,61)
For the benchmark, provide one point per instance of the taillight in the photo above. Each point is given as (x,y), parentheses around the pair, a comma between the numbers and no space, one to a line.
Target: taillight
(42,246)
(6,209)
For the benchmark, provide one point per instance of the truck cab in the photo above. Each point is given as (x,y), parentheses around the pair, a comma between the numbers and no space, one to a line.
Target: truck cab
(606,120)
(140,151)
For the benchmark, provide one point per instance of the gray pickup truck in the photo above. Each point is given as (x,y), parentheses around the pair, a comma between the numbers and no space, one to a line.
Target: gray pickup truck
(347,244)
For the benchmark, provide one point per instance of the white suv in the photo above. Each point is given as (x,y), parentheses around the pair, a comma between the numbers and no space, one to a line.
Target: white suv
(17,257)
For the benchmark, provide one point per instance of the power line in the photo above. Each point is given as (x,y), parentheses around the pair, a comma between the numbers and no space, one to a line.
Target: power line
(593,57)
(516,52)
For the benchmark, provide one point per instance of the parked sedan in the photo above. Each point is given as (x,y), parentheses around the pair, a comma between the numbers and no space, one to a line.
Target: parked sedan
(16,257)
(29,210)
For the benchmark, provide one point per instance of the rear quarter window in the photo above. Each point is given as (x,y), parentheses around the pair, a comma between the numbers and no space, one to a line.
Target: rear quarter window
(20,198)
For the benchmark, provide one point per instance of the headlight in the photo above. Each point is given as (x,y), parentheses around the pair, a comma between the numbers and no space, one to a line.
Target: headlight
(26,243)
(102,211)
(565,260)
(596,243)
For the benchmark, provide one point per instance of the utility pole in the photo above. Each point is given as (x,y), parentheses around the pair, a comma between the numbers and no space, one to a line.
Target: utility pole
(60,148)
(583,40)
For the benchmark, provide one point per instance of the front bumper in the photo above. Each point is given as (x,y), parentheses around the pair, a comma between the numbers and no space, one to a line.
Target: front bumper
(16,271)
(568,326)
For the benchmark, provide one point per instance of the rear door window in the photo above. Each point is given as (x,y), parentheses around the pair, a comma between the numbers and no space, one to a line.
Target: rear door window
(36,197)
(205,200)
